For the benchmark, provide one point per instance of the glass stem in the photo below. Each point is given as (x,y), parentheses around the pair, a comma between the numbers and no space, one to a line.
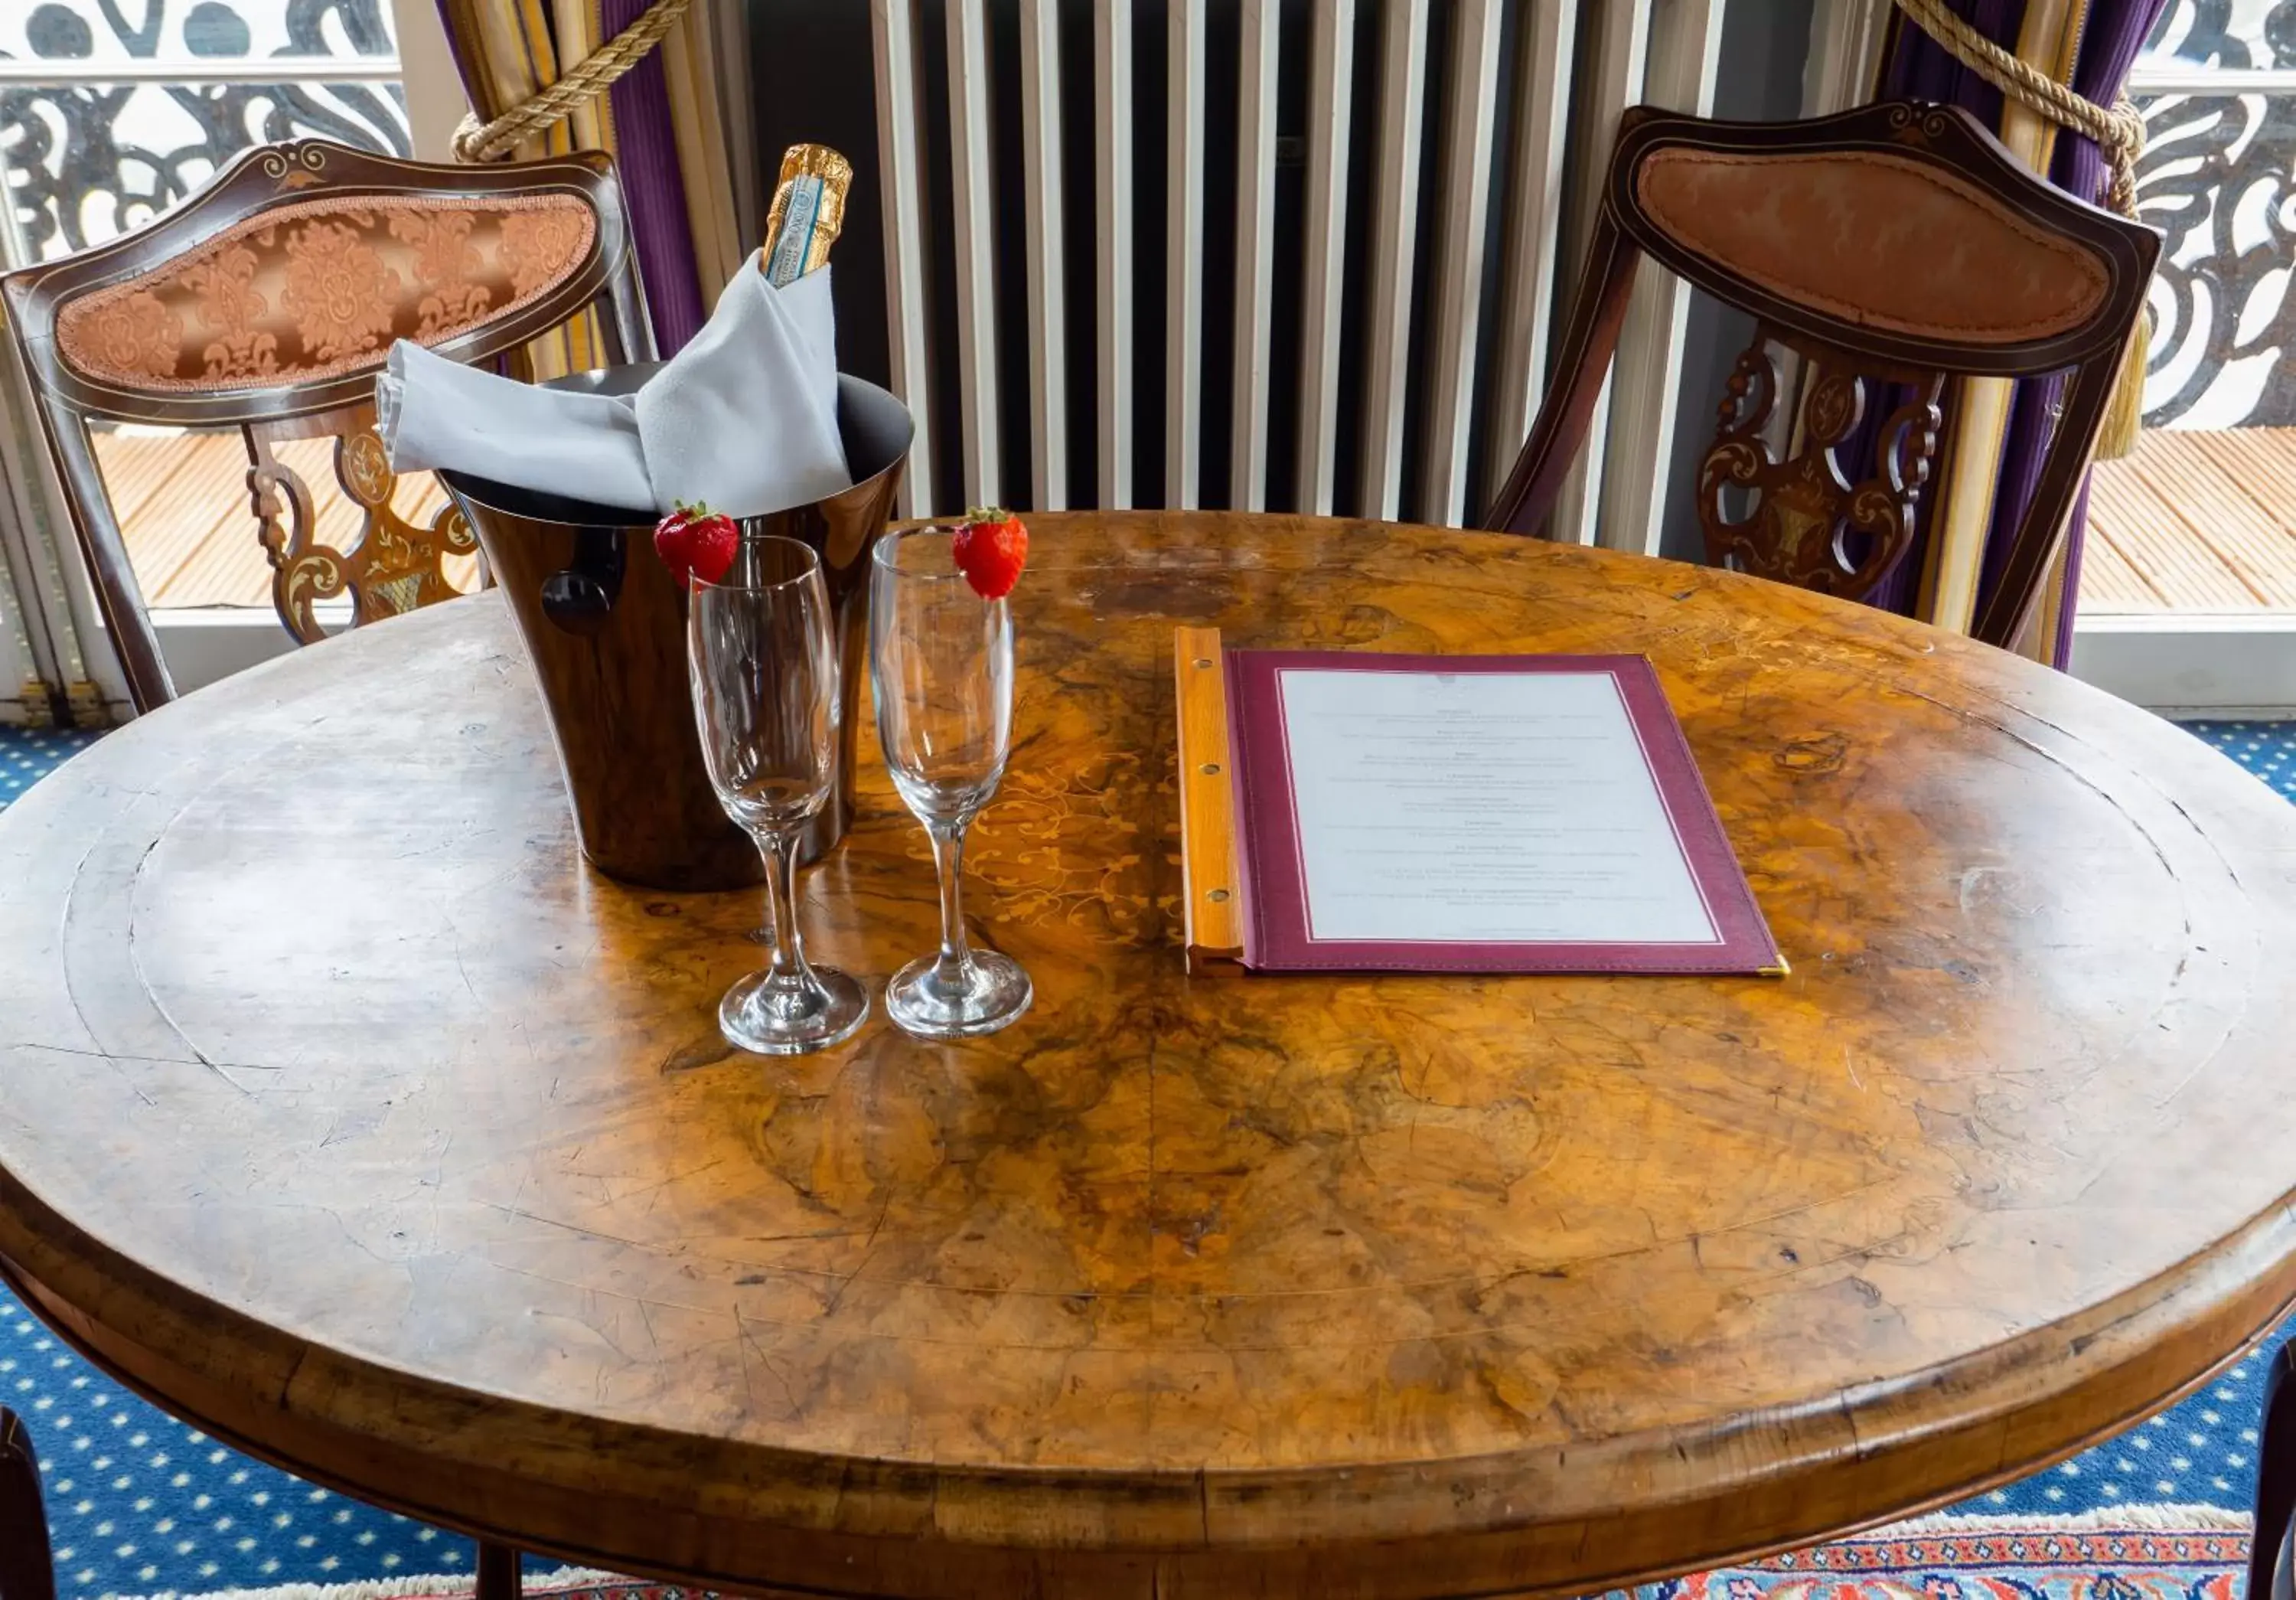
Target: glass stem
(948,975)
(786,971)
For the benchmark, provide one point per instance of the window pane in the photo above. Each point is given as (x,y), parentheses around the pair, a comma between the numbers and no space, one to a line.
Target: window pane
(79,30)
(89,162)
(2217,177)
(2227,33)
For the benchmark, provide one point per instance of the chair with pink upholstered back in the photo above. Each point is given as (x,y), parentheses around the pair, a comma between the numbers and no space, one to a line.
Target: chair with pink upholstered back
(1896,244)
(269,302)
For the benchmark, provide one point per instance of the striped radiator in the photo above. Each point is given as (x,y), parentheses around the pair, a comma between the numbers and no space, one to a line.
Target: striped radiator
(1283,256)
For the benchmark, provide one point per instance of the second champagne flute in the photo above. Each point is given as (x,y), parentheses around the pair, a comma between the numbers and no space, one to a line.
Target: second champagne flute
(941,666)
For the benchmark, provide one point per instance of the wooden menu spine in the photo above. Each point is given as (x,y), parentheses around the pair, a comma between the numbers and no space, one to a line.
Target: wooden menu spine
(1209,861)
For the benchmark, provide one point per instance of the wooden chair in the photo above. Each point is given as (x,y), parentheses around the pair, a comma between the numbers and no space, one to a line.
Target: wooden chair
(1897,244)
(2273,1549)
(27,1569)
(268,303)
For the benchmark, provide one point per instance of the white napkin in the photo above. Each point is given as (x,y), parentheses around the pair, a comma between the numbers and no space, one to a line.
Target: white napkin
(435,413)
(744,417)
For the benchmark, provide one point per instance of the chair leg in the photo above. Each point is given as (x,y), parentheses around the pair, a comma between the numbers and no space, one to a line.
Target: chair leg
(2275,1473)
(26,1570)
(497,1573)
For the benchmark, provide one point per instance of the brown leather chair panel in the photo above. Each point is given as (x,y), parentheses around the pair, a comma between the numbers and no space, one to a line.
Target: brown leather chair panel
(318,288)
(1876,239)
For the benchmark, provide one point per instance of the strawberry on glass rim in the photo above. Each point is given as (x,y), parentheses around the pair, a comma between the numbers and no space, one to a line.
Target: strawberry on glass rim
(990,548)
(694,541)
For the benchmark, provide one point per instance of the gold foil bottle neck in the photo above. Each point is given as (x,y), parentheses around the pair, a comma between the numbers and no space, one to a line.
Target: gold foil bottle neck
(809,211)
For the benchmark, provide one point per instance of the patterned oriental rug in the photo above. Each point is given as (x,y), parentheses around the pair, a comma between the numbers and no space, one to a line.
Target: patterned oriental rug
(139,1505)
(2148,1553)
(2197,1554)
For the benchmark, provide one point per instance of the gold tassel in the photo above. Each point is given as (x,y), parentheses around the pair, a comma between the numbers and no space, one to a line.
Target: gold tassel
(2124,413)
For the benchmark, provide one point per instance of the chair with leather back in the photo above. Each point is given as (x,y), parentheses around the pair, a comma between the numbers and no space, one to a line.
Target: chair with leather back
(26,1570)
(2272,1549)
(1889,248)
(269,302)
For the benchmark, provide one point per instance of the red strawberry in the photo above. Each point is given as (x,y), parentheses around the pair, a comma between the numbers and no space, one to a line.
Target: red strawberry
(696,542)
(990,548)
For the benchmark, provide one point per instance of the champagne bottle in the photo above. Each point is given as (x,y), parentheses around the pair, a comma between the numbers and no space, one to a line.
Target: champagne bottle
(808,212)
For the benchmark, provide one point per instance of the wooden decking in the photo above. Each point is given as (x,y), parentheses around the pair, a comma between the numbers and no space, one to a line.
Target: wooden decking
(2191,522)
(183,506)
(2199,521)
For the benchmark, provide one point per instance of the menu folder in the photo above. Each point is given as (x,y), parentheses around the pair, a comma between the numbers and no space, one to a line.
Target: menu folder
(1358,811)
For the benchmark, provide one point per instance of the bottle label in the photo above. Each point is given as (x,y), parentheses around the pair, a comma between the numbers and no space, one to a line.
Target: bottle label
(787,264)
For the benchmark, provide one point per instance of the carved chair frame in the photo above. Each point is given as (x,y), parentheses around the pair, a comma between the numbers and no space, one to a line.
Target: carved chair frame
(394,565)
(1848,346)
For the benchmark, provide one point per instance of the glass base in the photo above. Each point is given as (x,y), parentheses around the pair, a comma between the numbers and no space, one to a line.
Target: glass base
(994,995)
(773,1021)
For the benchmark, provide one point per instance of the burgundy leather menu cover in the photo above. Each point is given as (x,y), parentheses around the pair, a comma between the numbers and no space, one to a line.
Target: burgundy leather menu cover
(1478,814)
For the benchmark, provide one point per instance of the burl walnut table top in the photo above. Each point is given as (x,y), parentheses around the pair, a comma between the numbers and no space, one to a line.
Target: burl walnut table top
(345,1111)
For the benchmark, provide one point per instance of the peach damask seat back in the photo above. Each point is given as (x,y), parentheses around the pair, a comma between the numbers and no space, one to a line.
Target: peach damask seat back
(269,302)
(1889,248)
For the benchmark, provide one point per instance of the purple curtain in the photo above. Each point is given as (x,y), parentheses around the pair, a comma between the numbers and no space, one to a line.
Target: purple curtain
(1917,67)
(2116,30)
(645,150)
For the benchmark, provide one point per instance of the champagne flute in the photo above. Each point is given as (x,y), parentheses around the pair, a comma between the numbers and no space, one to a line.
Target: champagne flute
(941,665)
(762,656)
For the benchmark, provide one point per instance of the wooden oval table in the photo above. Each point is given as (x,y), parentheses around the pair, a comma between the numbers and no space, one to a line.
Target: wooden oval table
(344,1111)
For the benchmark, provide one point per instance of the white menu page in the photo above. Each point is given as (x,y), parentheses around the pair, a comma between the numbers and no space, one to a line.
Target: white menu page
(1482,807)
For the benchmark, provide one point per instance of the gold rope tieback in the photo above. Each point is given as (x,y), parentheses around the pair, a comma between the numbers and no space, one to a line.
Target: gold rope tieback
(2119,132)
(591,77)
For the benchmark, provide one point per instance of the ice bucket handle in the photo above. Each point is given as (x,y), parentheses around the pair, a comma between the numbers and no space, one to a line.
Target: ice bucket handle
(579,599)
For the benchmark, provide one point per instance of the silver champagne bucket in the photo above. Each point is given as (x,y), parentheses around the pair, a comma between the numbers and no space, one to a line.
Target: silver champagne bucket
(604,624)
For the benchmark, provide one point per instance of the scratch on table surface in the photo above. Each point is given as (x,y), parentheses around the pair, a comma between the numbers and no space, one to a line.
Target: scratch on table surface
(117,1056)
(71,992)
(867,1249)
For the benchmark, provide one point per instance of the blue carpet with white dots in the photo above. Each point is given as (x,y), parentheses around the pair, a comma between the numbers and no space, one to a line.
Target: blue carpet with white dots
(140,1504)
(28,754)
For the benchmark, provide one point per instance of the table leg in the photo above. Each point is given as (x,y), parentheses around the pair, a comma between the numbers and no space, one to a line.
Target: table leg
(497,1573)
